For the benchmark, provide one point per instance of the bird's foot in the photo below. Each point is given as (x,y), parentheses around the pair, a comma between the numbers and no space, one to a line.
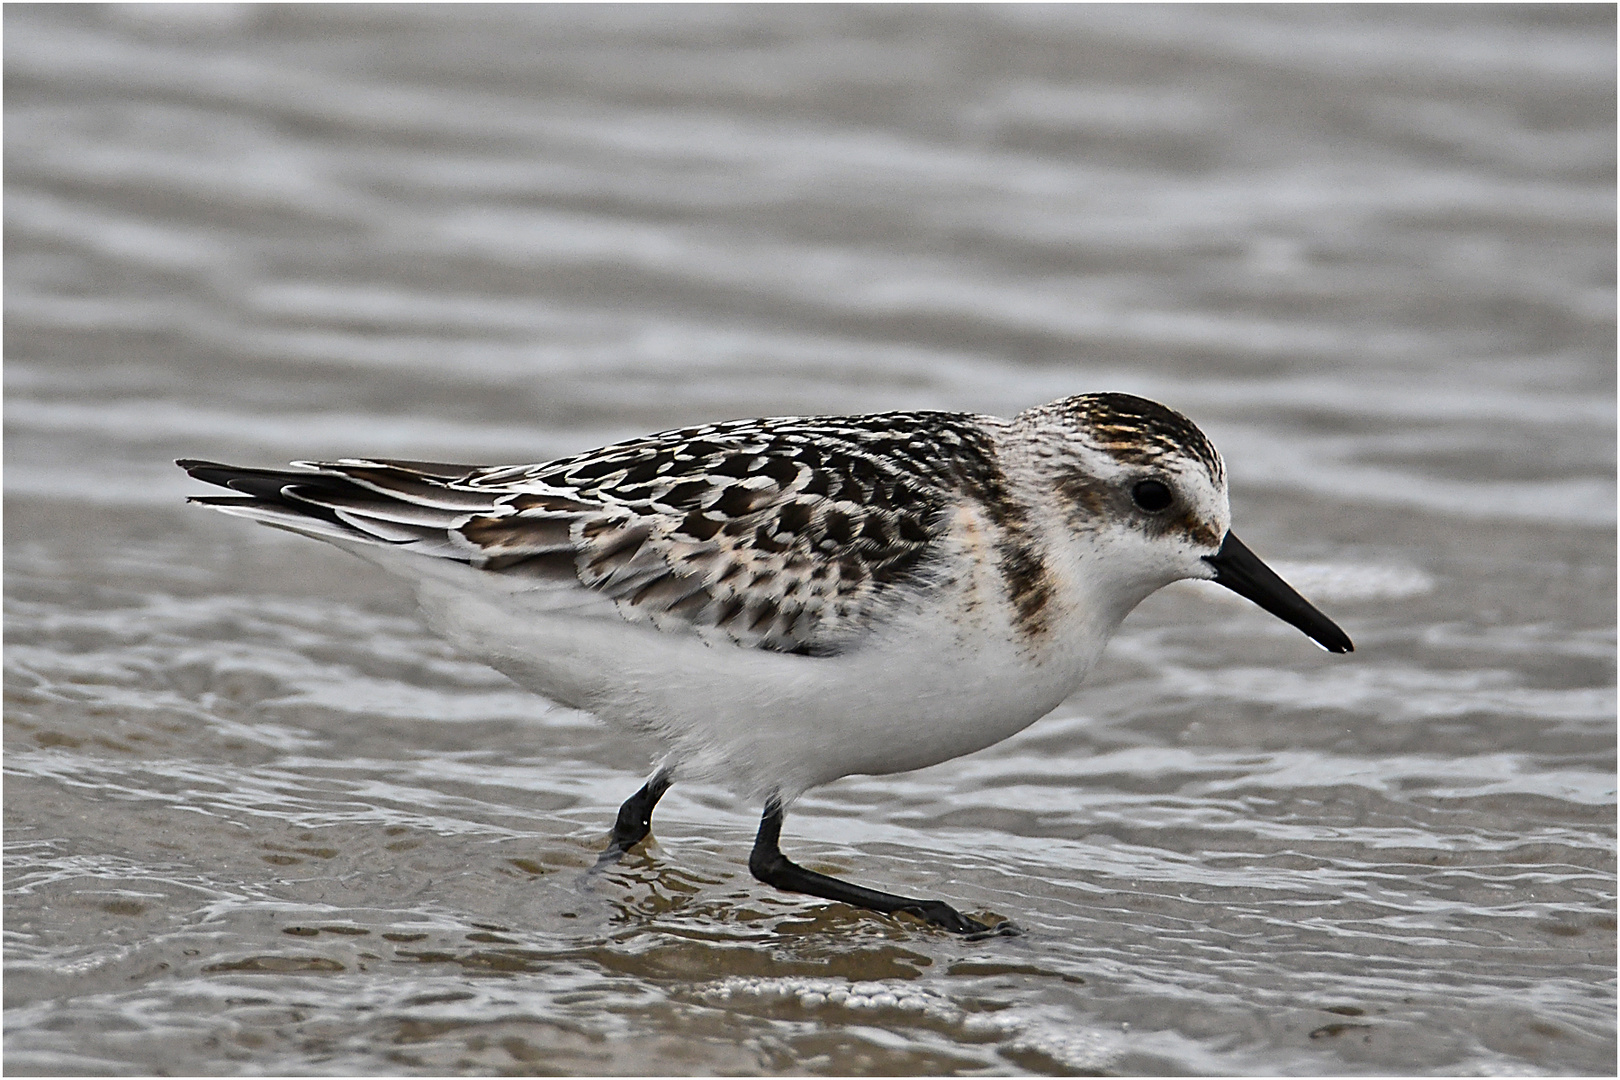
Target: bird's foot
(943,915)
(609,857)
(1004,928)
(634,823)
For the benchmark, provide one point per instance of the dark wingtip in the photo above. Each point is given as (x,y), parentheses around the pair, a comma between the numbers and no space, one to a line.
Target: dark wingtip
(264,484)
(210,472)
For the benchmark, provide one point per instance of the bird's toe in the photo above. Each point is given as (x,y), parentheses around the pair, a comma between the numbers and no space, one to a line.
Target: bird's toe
(1005,928)
(946,917)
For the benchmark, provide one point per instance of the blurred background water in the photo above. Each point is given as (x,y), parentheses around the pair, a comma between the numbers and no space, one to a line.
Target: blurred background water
(259,820)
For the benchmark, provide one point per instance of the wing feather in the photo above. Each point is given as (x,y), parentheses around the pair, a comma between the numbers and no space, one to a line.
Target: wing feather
(788,534)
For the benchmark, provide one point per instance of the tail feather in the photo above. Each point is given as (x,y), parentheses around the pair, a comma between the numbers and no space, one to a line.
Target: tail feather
(395,513)
(409,485)
(368,505)
(326,501)
(279,517)
(431,470)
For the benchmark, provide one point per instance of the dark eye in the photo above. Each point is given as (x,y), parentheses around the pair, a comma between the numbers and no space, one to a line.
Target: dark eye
(1151,495)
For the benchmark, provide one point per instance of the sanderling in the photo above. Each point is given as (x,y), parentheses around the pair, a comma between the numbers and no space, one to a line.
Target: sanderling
(777,603)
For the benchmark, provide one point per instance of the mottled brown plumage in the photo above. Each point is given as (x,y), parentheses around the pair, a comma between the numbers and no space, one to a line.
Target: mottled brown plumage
(786,533)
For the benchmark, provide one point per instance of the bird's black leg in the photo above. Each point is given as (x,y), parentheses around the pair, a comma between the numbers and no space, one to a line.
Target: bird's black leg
(635,818)
(769,865)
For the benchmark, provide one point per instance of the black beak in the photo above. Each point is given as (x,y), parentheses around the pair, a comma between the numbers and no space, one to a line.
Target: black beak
(1241,570)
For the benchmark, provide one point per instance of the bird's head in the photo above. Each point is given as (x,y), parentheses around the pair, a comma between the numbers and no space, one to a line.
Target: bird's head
(1147,490)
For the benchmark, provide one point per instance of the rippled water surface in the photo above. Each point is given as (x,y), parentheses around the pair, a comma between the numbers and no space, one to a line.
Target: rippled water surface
(258,819)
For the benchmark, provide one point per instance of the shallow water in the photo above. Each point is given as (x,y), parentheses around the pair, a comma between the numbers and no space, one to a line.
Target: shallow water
(259,820)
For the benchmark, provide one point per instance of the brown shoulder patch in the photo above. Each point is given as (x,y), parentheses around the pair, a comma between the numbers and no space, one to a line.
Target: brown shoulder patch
(1018,557)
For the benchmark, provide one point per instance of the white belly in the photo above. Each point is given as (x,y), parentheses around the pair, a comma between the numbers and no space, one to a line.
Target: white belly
(921,693)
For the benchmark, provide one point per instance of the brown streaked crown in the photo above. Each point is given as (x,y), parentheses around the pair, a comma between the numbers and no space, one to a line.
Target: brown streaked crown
(1136,431)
